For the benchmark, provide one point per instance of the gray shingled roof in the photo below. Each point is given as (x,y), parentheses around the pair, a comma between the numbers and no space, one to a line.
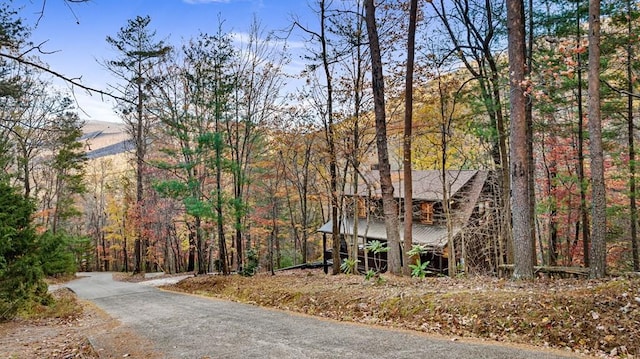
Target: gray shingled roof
(427,185)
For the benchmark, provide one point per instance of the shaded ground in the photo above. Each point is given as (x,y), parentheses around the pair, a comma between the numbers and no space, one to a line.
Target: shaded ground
(588,317)
(87,333)
(50,337)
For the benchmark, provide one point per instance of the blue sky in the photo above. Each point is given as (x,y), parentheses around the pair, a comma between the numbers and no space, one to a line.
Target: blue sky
(76,32)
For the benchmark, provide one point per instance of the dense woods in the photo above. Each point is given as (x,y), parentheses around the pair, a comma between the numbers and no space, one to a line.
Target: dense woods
(234,162)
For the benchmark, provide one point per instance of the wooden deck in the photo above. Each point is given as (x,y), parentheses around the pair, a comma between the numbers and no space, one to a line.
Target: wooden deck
(552,270)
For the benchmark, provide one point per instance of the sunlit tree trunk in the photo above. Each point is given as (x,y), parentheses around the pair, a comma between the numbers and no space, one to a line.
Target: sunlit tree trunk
(519,157)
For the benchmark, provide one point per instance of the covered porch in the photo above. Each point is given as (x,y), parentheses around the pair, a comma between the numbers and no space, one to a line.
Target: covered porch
(431,237)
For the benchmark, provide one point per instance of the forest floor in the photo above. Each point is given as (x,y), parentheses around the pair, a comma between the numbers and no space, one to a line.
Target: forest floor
(49,335)
(594,318)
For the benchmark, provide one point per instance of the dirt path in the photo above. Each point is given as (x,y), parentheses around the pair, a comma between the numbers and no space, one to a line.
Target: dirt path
(194,327)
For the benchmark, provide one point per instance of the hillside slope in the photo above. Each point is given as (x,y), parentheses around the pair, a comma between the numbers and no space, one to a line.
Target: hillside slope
(105,139)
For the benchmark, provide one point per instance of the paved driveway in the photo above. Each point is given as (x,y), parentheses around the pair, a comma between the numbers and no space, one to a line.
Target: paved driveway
(186,326)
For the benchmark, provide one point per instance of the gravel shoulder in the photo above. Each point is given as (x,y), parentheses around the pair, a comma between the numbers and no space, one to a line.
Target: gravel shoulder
(91,334)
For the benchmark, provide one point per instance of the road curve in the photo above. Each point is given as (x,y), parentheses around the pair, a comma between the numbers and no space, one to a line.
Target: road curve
(186,326)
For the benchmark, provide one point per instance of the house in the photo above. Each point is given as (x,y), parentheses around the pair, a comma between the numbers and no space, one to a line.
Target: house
(363,220)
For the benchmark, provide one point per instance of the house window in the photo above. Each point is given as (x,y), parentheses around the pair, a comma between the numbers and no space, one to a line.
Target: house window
(362,208)
(426,213)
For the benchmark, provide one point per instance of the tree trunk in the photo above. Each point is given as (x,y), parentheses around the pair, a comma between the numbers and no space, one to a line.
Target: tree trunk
(553,214)
(333,167)
(238,218)
(529,116)
(125,253)
(446,208)
(598,210)
(519,159)
(219,216)
(191,260)
(584,213)
(408,126)
(633,210)
(199,242)
(138,250)
(386,186)
(304,204)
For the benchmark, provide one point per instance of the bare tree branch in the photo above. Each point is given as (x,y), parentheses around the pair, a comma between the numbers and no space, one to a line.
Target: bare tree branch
(73,81)
(620,91)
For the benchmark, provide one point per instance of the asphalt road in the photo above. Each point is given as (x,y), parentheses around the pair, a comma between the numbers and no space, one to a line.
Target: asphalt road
(186,326)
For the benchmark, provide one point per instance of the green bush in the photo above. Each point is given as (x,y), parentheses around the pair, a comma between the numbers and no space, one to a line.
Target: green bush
(348,265)
(21,283)
(21,276)
(55,254)
(419,269)
(251,265)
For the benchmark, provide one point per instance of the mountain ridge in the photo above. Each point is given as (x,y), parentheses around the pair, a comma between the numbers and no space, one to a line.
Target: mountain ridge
(102,139)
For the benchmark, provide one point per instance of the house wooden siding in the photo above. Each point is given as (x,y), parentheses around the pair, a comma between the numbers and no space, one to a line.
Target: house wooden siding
(427,199)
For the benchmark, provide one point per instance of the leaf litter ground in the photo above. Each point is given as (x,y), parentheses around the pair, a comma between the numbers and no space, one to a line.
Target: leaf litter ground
(84,331)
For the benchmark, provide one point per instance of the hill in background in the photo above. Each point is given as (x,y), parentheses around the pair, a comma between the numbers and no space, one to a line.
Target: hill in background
(105,139)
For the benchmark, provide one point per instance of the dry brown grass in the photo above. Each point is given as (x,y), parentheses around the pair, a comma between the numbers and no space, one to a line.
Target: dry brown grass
(48,331)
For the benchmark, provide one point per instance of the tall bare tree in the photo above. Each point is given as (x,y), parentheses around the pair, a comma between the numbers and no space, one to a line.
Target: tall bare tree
(389,203)
(352,101)
(474,30)
(329,127)
(258,80)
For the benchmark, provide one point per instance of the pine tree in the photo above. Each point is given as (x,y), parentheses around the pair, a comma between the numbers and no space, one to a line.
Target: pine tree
(68,164)
(139,54)
(21,277)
